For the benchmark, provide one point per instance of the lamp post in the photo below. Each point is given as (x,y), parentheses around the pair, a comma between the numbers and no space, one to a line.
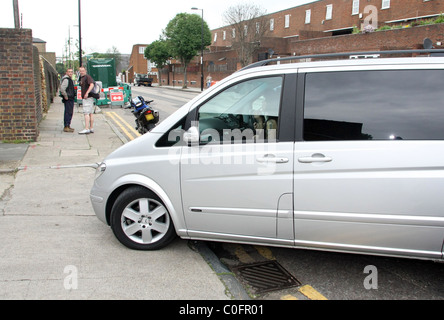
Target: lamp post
(15,6)
(201,51)
(80,37)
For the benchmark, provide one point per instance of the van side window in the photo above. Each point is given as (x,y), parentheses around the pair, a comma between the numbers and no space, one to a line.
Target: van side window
(374,105)
(245,112)
(174,136)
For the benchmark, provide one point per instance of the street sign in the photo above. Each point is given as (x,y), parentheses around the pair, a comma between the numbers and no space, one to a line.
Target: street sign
(116,97)
(79,94)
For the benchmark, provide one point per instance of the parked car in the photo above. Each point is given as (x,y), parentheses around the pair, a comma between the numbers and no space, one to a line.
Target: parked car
(143,80)
(344,155)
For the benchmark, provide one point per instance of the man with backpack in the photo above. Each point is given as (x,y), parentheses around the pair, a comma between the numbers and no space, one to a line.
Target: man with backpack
(87,84)
(68,94)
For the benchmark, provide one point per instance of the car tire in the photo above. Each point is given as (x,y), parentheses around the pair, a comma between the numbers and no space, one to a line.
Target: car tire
(141,221)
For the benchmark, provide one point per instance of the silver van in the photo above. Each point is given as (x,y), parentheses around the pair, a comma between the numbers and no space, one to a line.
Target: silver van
(344,155)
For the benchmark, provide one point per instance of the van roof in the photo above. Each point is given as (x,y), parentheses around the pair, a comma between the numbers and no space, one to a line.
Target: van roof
(386,63)
(350,55)
(351,59)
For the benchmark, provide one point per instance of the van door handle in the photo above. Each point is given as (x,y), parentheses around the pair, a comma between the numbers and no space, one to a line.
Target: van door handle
(316,158)
(271,158)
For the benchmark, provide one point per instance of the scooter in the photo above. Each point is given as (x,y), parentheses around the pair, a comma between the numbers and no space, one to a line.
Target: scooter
(146,116)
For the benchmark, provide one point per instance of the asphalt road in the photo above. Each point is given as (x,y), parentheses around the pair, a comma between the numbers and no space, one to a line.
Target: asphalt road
(167,101)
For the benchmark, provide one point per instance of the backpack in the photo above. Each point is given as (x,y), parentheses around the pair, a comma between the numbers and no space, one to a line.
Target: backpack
(96,90)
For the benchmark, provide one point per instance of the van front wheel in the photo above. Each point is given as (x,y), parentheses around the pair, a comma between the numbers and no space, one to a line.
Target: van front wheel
(140,220)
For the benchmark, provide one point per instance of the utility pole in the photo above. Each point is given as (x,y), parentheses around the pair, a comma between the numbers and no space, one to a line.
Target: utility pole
(80,36)
(70,63)
(16,14)
(201,51)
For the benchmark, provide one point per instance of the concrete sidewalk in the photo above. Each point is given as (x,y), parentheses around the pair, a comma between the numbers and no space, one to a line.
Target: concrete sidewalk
(54,247)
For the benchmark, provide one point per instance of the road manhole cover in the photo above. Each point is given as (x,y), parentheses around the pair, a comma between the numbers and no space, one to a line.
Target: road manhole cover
(265,276)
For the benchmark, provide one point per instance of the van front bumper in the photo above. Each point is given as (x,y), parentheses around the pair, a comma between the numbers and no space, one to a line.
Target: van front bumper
(99,205)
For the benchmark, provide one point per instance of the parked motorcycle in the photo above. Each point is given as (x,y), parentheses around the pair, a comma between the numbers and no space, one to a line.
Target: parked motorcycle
(146,116)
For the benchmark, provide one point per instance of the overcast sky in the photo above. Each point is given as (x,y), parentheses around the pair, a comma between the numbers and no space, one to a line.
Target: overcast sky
(108,23)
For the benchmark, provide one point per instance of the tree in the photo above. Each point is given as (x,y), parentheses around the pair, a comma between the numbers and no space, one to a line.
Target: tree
(158,52)
(110,53)
(114,53)
(183,34)
(249,26)
(61,69)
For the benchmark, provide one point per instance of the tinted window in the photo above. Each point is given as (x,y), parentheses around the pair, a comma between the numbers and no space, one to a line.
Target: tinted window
(374,105)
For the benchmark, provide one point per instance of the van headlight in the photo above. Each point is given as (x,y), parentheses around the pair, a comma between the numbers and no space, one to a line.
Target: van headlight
(100,170)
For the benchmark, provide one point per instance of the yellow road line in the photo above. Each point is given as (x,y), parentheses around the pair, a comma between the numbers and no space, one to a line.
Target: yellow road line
(307,291)
(242,255)
(265,252)
(311,293)
(289,297)
(123,125)
(114,118)
(128,125)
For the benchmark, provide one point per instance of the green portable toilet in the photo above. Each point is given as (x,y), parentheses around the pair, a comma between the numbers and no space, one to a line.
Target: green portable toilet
(103,69)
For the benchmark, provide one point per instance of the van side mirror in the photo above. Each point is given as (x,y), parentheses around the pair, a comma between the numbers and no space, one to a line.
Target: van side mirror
(191,137)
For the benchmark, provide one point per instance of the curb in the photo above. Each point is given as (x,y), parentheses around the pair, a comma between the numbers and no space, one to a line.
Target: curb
(234,287)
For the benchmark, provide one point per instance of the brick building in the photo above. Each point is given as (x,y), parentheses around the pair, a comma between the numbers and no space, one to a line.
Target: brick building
(138,64)
(327,26)
(324,18)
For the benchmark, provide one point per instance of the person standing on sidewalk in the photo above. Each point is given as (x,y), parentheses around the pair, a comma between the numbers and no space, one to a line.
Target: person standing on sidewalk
(86,85)
(68,95)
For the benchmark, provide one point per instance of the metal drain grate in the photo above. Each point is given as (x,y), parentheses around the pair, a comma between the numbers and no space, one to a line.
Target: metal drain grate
(265,276)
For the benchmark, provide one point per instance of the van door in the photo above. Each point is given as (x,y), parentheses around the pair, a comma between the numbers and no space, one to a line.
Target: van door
(233,177)
(369,173)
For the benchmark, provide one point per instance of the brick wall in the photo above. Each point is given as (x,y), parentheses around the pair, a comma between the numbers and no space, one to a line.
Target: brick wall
(28,85)
(18,118)
(218,64)
(397,39)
